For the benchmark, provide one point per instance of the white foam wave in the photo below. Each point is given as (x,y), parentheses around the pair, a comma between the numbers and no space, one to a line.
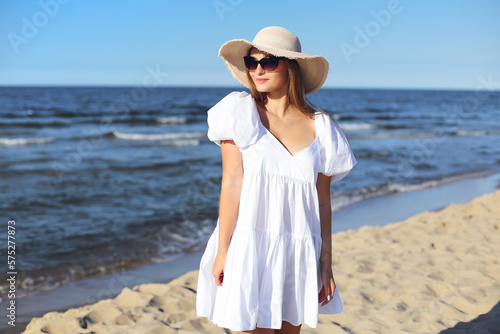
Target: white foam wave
(24,141)
(395,187)
(340,200)
(356,126)
(180,143)
(462,133)
(344,199)
(160,136)
(171,120)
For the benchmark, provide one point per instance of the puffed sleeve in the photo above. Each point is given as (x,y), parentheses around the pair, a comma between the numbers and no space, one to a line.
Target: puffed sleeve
(234,118)
(337,158)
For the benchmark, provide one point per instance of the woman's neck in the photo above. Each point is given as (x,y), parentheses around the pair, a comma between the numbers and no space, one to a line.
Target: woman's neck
(277,104)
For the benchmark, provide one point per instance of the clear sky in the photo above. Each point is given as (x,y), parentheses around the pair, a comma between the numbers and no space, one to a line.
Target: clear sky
(369,43)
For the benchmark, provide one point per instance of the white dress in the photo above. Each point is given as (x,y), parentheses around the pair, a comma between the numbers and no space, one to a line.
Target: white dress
(272,269)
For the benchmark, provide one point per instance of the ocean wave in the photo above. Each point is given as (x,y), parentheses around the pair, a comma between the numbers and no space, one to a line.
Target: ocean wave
(180,143)
(160,245)
(345,198)
(476,133)
(24,141)
(377,110)
(372,154)
(367,126)
(356,126)
(395,187)
(171,120)
(387,135)
(147,166)
(35,125)
(160,136)
(171,139)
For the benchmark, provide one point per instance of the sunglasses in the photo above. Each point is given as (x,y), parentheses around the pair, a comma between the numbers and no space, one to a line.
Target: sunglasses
(268,64)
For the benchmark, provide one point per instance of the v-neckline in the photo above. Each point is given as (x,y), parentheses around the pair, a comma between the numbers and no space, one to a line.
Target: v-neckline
(280,143)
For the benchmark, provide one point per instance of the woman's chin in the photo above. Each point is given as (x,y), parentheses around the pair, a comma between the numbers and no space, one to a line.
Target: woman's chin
(261,86)
(268,87)
(264,87)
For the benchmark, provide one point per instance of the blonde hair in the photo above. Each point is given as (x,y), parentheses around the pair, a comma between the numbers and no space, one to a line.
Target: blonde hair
(296,91)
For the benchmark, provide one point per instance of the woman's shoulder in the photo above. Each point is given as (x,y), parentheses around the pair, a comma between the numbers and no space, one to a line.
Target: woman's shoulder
(321,114)
(234,104)
(324,120)
(336,154)
(326,126)
(236,97)
(235,117)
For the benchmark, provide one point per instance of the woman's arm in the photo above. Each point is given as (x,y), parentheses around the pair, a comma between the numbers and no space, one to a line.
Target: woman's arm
(325,214)
(232,179)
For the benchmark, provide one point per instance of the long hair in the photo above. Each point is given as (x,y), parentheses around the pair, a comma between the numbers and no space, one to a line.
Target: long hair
(296,90)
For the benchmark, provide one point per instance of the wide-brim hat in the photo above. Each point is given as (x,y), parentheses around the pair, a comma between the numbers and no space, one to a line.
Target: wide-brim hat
(281,43)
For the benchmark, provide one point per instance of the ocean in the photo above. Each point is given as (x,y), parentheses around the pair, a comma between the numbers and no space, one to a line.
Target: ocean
(101,179)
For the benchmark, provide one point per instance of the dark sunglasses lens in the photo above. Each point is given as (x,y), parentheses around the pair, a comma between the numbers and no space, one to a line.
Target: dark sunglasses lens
(269,64)
(250,63)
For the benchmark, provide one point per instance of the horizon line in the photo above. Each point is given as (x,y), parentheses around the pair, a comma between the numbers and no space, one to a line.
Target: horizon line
(235,87)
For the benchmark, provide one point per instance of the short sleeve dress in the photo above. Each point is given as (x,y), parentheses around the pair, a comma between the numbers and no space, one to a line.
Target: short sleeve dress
(272,268)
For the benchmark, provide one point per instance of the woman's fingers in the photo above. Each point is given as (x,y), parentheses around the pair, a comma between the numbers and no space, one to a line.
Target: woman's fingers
(219,278)
(324,297)
(321,295)
(218,268)
(327,298)
(326,293)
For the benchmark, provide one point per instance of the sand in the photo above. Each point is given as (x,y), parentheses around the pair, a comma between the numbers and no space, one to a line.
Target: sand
(436,272)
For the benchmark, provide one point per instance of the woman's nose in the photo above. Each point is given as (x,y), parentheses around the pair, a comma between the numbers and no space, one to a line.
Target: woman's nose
(259,69)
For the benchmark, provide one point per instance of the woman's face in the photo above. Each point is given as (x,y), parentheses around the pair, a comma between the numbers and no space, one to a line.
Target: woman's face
(269,82)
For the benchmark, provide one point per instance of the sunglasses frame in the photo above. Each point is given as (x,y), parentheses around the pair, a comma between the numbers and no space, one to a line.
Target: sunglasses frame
(262,65)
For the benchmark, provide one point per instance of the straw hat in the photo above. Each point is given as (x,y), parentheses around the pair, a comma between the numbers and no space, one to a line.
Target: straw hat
(281,43)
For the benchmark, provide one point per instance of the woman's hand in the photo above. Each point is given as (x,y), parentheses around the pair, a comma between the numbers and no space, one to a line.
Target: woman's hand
(218,268)
(328,288)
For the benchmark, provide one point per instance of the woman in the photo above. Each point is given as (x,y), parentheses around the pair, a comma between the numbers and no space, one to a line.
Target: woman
(267,265)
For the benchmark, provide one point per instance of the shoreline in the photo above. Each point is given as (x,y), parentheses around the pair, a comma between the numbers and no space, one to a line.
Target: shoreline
(80,293)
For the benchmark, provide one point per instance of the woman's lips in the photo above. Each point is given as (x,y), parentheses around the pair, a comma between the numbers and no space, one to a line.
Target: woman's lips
(261,80)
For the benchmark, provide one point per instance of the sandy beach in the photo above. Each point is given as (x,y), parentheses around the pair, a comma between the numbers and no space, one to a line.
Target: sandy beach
(435,272)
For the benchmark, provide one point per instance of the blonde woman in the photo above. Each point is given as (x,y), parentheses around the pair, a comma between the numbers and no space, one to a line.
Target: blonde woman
(267,267)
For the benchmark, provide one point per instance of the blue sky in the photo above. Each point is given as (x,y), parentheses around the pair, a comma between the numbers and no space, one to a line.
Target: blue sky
(422,44)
